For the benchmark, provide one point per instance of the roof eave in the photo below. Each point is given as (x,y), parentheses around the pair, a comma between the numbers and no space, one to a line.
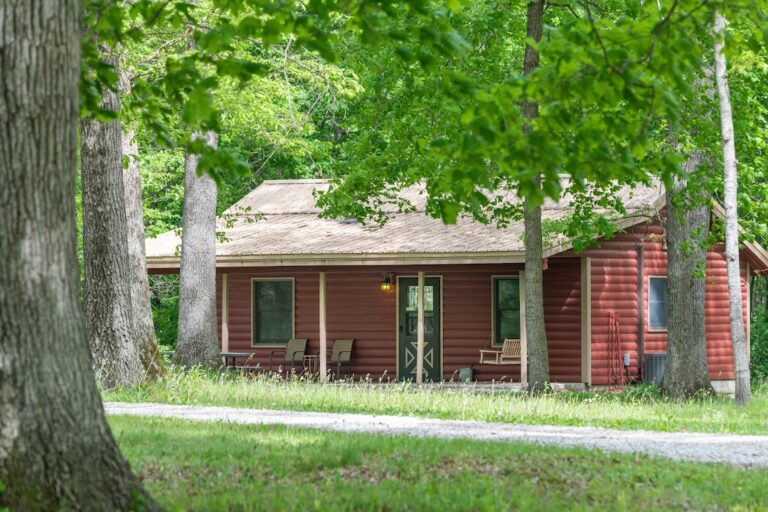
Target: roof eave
(298,260)
(759,255)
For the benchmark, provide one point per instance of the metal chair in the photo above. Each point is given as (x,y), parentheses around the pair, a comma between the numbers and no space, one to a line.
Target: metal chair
(292,353)
(341,353)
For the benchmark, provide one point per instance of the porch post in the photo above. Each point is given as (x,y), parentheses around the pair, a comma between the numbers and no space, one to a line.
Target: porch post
(586,321)
(225,312)
(523,334)
(420,332)
(323,341)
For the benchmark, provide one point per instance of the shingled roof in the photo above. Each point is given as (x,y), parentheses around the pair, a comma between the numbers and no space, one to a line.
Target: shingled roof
(278,224)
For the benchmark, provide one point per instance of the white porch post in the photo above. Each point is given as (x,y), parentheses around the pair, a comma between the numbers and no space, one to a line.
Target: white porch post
(420,332)
(225,312)
(523,335)
(323,340)
(586,320)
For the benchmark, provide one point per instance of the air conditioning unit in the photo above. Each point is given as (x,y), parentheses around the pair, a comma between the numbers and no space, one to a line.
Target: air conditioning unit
(654,364)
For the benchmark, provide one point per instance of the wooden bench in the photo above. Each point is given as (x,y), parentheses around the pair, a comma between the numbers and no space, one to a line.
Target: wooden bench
(510,353)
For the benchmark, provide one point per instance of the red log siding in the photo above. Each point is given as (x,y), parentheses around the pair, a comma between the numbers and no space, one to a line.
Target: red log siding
(306,288)
(719,345)
(357,308)
(562,316)
(614,289)
(467,326)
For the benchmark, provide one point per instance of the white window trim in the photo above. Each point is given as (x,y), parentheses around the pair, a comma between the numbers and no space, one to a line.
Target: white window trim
(255,344)
(648,311)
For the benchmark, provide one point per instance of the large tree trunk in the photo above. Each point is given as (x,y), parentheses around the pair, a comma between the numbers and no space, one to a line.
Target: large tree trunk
(143,328)
(687,230)
(108,311)
(735,311)
(198,342)
(536,334)
(56,448)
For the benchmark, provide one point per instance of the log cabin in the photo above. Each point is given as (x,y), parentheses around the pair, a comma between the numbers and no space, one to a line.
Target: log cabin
(417,286)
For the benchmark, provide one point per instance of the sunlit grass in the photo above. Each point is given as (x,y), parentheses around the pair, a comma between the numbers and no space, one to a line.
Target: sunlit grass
(639,407)
(221,466)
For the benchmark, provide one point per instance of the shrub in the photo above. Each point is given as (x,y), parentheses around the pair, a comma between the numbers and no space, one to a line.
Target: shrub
(759,346)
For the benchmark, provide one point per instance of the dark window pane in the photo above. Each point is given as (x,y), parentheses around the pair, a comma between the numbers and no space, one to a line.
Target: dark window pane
(274,326)
(429,324)
(411,323)
(413,298)
(272,311)
(274,295)
(657,303)
(506,309)
(509,325)
(508,293)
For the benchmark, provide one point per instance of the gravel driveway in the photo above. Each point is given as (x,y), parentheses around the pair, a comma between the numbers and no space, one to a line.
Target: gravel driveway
(751,451)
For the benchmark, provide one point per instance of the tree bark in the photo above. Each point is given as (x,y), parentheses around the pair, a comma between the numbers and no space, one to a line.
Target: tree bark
(538,355)
(107,295)
(56,448)
(687,229)
(143,327)
(198,342)
(735,309)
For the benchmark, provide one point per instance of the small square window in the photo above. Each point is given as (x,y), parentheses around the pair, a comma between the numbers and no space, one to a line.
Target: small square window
(657,303)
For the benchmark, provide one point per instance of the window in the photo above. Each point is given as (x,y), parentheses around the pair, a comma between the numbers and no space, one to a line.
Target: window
(506,309)
(657,303)
(412,310)
(272,310)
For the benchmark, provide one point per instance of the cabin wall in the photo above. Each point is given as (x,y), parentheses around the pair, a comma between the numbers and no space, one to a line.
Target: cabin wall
(562,318)
(614,292)
(357,308)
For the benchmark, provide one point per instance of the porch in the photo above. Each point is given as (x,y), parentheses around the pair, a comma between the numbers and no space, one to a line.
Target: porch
(417,323)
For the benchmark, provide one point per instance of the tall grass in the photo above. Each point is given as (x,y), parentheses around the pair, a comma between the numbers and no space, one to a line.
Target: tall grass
(640,407)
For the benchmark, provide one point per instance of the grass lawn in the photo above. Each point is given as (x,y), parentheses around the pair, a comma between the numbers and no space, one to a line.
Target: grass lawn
(220,466)
(635,408)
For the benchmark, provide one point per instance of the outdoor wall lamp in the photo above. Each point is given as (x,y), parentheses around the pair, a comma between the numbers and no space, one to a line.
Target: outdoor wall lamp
(386,283)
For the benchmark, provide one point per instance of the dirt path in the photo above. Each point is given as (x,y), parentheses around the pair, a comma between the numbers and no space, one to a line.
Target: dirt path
(740,450)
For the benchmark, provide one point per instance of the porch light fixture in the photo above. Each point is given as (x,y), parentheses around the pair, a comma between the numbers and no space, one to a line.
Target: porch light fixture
(386,283)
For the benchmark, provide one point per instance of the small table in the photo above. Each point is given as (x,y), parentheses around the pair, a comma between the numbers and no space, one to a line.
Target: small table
(311,363)
(233,356)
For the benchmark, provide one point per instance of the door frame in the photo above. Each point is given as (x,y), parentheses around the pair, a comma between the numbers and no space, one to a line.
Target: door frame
(397,318)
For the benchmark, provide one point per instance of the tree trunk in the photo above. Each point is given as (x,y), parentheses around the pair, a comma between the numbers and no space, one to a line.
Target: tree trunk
(142,326)
(56,448)
(198,342)
(687,230)
(735,311)
(538,355)
(107,295)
